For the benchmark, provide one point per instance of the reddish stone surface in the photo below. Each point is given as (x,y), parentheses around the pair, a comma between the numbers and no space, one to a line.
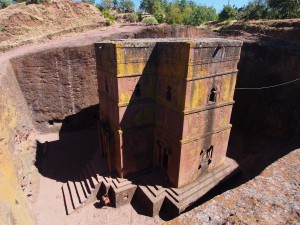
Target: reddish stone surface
(270,198)
(161,110)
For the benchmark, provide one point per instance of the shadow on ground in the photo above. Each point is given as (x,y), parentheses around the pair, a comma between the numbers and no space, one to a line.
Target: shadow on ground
(78,140)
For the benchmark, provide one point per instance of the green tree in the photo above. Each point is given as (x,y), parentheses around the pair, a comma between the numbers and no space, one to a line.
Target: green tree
(286,8)
(159,12)
(199,15)
(255,10)
(127,5)
(174,15)
(115,4)
(228,12)
(4,3)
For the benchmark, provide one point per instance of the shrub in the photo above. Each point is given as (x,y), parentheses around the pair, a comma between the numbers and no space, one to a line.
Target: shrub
(149,21)
(110,19)
(133,17)
(228,12)
(244,26)
(35,1)
(4,3)
(2,28)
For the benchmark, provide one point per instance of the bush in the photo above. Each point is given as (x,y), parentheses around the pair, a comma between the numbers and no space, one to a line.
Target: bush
(149,21)
(110,19)
(2,28)
(4,3)
(244,26)
(133,17)
(35,1)
(228,12)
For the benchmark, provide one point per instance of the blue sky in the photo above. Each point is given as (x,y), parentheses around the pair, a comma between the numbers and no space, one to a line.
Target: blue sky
(218,4)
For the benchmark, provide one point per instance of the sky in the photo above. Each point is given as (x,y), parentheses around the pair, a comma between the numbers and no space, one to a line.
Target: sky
(218,4)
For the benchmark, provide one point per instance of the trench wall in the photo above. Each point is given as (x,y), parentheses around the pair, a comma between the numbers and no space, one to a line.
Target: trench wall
(52,84)
(57,83)
(272,111)
(16,150)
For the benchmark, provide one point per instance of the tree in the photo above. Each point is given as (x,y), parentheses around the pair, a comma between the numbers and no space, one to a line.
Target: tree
(228,12)
(255,10)
(200,15)
(174,14)
(115,4)
(286,8)
(147,5)
(127,5)
(106,4)
(4,3)
(159,12)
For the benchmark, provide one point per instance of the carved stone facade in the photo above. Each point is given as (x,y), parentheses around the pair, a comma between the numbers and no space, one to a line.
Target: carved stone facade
(166,104)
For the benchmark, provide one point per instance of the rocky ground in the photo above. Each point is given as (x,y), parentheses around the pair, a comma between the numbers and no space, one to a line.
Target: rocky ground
(273,197)
(23,24)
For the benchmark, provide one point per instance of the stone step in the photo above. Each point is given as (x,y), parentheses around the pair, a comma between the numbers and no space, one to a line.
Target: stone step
(92,177)
(88,179)
(118,182)
(69,207)
(73,194)
(85,184)
(92,170)
(80,191)
(156,191)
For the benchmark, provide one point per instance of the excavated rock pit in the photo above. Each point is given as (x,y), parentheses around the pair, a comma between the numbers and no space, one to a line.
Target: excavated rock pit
(53,89)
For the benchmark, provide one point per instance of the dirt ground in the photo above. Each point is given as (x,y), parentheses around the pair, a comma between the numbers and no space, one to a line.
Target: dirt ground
(23,24)
(66,153)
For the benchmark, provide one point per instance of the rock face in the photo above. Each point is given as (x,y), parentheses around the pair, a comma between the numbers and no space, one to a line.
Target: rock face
(17,150)
(271,111)
(271,198)
(57,83)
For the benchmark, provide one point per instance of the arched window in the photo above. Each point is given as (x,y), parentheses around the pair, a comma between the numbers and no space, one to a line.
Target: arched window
(169,93)
(137,91)
(106,86)
(212,96)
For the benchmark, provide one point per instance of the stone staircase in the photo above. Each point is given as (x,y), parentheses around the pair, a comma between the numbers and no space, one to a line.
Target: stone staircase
(149,188)
(94,180)
(83,188)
